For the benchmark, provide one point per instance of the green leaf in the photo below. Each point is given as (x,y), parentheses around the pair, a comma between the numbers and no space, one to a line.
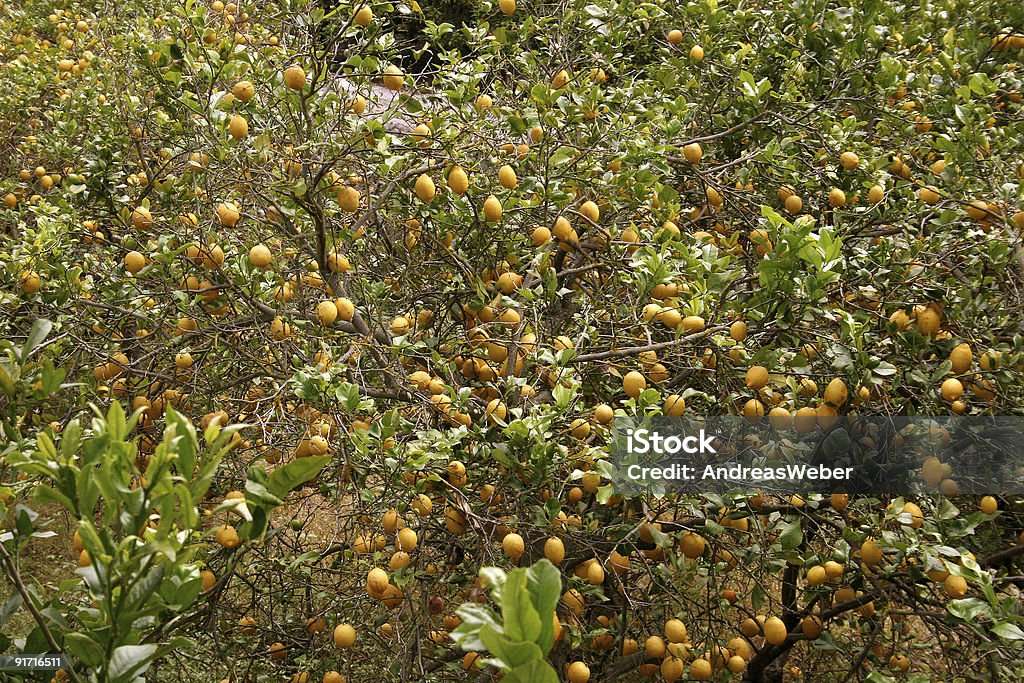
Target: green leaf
(791,536)
(6,382)
(183,441)
(40,330)
(545,585)
(494,579)
(969,609)
(144,587)
(10,606)
(511,654)
(129,661)
(1008,631)
(474,617)
(82,647)
(295,473)
(532,672)
(46,494)
(522,622)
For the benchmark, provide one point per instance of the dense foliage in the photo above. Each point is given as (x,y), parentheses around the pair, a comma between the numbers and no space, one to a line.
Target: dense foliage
(418,258)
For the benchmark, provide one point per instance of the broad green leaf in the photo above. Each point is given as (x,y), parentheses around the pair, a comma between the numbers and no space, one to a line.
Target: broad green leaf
(511,653)
(545,585)
(130,661)
(532,672)
(1008,631)
(791,536)
(474,617)
(40,330)
(295,473)
(521,620)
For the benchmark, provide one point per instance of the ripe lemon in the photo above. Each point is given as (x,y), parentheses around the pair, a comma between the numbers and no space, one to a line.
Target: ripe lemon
(554,550)
(675,631)
(346,309)
(700,669)
(876,194)
(422,505)
(238,127)
(492,209)
(377,582)
(348,198)
(228,214)
(406,540)
(870,553)
(560,80)
(228,537)
(849,160)
(989,505)
(978,210)
(508,7)
(425,189)
(780,418)
(633,383)
(794,204)
(295,77)
(578,672)
(837,198)
(142,219)
(394,79)
(675,36)
(344,636)
(811,626)
(961,358)
(591,211)
(580,428)
(696,54)
(693,152)
(326,312)
(604,414)
(753,409)
(757,377)
(928,321)
(956,586)
(134,262)
(928,195)
(506,176)
(400,326)
(952,389)
(692,324)
(836,393)
(260,256)
(674,405)
(654,646)
(244,90)
(692,545)
(573,600)
(458,181)
(816,575)
(774,631)
(363,17)
(833,569)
